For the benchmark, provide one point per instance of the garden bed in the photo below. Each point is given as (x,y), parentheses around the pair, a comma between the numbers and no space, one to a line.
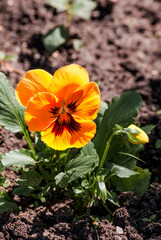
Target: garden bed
(122,51)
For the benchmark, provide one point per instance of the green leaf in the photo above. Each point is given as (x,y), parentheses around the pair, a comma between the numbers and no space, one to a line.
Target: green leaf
(113,198)
(30,179)
(87,158)
(122,111)
(7,205)
(133,139)
(1,168)
(138,183)
(7,57)
(23,191)
(4,195)
(158,143)
(28,183)
(102,191)
(45,190)
(131,155)
(142,181)
(148,128)
(126,160)
(77,44)
(130,130)
(103,107)
(102,173)
(2,56)
(10,57)
(40,145)
(78,190)
(85,184)
(60,5)
(83,163)
(61,179)
(146,220)
(55,38)
(159,112)
(3,182)
(153,217)
(122,172)
(11,112)
(82,8)
(18,157)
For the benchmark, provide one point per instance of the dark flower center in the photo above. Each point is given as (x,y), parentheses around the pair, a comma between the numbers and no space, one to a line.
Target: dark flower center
(65,119)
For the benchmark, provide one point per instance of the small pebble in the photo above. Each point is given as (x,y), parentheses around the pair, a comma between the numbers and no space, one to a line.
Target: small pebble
(119,230)
(10,3)
(154,72)
(1,28)
(55,54)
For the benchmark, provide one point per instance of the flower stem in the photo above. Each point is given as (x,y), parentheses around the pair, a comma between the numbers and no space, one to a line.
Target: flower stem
(106,149)
(42,172)
(67,156)
(107,208)
(28,139)
(25,132)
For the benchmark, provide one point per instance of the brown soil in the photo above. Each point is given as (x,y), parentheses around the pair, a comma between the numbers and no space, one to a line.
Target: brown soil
(122,50)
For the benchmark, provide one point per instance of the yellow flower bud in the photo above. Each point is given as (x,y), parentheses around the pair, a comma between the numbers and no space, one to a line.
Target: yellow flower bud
(142,137)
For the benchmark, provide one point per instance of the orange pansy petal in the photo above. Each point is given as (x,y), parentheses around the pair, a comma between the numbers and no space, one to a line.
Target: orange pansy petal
(67,139)
(86,101)
(86,133)
(67,79)
(42,110)
(32,82)
(57,142)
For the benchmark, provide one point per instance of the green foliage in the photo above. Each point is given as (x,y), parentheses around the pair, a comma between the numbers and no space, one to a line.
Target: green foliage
(7,205)
(3,181)
(28,183)
(30,178)
(148,128)
(60,5)
(2,56)
(122,172)
(77,44)
(123,153)
(55,38)
(82,8)
(84,162)
(11,112)
(158,143)
(93,173)
(40,146)
(122,110)
(138,182)
(159,112)
(103,107)
(18,157)
(102,191)
(113,198)
(60,35)
(7,57)
(151,219)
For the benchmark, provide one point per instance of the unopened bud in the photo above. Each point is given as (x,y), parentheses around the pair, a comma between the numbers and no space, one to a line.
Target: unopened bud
(137,135)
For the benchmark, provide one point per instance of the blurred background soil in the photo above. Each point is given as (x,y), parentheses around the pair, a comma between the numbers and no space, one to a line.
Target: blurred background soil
(122,51)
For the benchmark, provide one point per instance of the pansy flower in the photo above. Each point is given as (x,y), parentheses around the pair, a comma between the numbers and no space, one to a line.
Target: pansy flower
(61,106)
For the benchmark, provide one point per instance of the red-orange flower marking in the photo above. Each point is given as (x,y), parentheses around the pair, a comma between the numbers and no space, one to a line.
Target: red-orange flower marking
(61,106)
